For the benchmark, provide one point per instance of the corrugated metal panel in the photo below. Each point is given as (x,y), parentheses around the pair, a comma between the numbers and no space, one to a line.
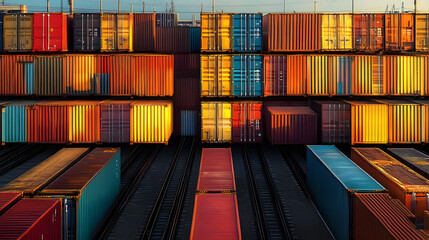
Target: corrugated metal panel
(18,32)
(187,65)
(172,40)
(275,75)
(422,32)
(119,68)
(216,75)
(1,31)
(103,73)
(115,121)
(296,75)
(144,32)
(216,32)
(195,39)
(368,32)
(216,172)
(407,75)
(151,121)
(215,217)
(247,32)
(368,76)
(247,122)
(14,122)
(187,93)
(49,75)
(49,32)
(337,32)
(414,159)
(188,119)
(332,178)
(247,75)
(84,122)
(8,199)
(87,31)
(216,122)
(166,20)
(399,31)
(116,32)
(17,75)
(425,119)
(79,74)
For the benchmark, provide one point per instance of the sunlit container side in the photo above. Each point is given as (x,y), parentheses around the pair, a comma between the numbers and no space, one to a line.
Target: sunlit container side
(422,32)
(369,122)
(1,32)
(116,32)
(49,75)
(151,121)
(172,40)
(14,121)
(401,182)
(17,75)
(84,122)
(144,32)
(216,172)
(296,75)
(187,93)
(333,180)
(216,75)
(405,121)
(291,125)
(32,219)
(333,121)
(275,75)
(87,32)
(119,68)
(247,32)
(425,119)
(337,32)
(407,75)
(103,73)
(166,19)
(216,32)
(247,75)
(399,34)
(115,121)
(87,191)
(292,32)
(368,32)
(216,122)
(79,74)
(378,216)
(412,158)
(49,32)
(7,200)
(17,32)
(247,122)
(368,76)
(195,39)
(48,122)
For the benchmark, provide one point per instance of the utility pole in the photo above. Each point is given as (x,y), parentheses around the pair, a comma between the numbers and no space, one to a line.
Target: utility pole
(353,6)
(101,6)
(166,6)
(201,7)
(119,6)
(2,2)
(71,5)
(47,5)
(131,8)
(315,6)
(144,7)
(213,6)
(415,6)
(402,7)
(284,6)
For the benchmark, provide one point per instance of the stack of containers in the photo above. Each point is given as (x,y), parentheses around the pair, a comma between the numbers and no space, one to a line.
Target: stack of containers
(231,67)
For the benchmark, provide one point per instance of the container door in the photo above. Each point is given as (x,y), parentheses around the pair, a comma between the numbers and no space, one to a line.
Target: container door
(216,122)
(247,71)
(247,32)
(215,32)
(224,119)
(422,32)
(188,122)
(329,32)
(55,33)
(344,30)
(123,31)
(79,26)
(407,31)
(10,32)
(28,69)
(25,32)
(108,32)
(377,79)
(87,32)
(14,125)
(69,218)
(216,75)
(115,123)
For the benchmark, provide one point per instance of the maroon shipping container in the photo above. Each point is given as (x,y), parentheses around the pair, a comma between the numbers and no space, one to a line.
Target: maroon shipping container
(144,32)
(334,121)
(187,93)
(291,125)
(115,121)
(247,122)
(32,219)
(172,40)
(7,199)
(368,32)
(378,216)
(275,81)
(187,65)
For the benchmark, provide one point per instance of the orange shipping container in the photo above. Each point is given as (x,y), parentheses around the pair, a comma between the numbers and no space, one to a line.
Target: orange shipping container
(84,122)
(120,75)
(368,32)
(79,74)
(368,76)
(399,29)
(424,119)
(16,75)
(49,75)
(422,32)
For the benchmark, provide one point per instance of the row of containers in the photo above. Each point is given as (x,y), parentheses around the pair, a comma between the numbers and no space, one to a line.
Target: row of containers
(66,196)
(316,121)
(312,32)
(372,195)
(95,32)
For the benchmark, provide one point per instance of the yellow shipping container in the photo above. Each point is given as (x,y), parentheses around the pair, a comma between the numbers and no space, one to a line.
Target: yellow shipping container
(79,74)
(84,122)
(422,32)
(424,119)
(216,121)
(368,76)
(216,32)
(151,121)
(407,75)
(216,75)
(337,32)
(369,122)
(18,32)
(117,32)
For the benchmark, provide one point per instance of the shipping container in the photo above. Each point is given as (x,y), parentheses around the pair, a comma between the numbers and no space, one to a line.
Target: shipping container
(151,121)
(173,40)
(275,70)
(216,75)
(49,75)
(247,75)
(216,174)
(166,19)
(333,121)
(368,76)
(216,122)
(87,191)
(215,217)
(7,200)
(87,32)
(189,120)
(17,75)
(296,75)
(402,183)
(378,216)
(32,181)
(422,32)
(333,180)
(424,119)
(49,32)
(116,32)
(368,32)
(369,122)
(121,76)
(247,122)
(195,39)
(247,32)
(399,34)
(79,75)
(414,159)
(1,32)
(115,121)
(405,121)
(187,65)
(291,125)
(216,32)
(17,32)
(32,219)
(144,32)
(84,122)
(337,32)
(187,93)
(103,73)
(292,32)
(14,121)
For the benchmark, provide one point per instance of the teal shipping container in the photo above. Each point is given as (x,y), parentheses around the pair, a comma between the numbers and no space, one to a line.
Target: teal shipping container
(332,179)
(14,121)
(88,189)
(29,78)
(188,119)
(247,32)
(247,75)
(194,39)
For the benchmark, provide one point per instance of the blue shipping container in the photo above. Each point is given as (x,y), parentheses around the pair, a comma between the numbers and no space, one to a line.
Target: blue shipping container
(247,32)
(343,70)
(188,122)
(332,178)
(247,75)
(14,121)
(100,83)
(1,31)
(29,78)
(195,35)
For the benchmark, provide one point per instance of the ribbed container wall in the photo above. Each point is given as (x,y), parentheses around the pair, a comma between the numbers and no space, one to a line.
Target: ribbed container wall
(49,75)
(187,65)
(87,32)
(247,122)
(49,32)
(216,75)
(117,32)
(368,76)
(399,32)
(79,72)
(7,200)
(292,32)
(166,19)
(151,121)
(144,32)
(187,93)
(296,75)
(247,75)
(412,158)
(337,32)
(115,121)
(14,122)
(120,75)
(1,32)
(48,122)
(103,73)
(275,75)
(17,75)
(84,122)
(188,120)
(422,32)
(247,32)
(368,32)
(17,32)
(172,40)
(216,122)
(425,119)
(216,32)
(195,39)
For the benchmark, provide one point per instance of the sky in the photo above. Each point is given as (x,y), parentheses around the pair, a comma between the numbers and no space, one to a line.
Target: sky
(187,8)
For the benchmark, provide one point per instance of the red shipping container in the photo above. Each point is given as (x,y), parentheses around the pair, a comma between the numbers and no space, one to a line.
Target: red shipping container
(144,32)
(32,219)
(368,32)
(7,199)
(115,121)
(187,94)
(247,122)
(49,32)
(215,217)
(16,74)
(216,171)
(275,69)
(291,125)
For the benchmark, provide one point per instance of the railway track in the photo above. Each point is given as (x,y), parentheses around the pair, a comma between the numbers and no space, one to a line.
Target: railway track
(15,157)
